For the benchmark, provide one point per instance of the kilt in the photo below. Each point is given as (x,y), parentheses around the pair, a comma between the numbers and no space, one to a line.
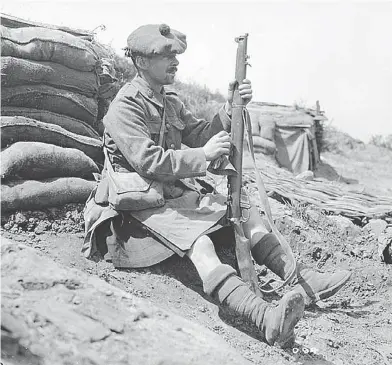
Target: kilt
(147,237)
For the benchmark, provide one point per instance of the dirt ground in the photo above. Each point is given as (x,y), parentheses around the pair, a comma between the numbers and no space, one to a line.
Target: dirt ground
(353,327)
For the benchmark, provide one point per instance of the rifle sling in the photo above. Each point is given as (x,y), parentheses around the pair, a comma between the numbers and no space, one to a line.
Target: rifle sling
(264,200)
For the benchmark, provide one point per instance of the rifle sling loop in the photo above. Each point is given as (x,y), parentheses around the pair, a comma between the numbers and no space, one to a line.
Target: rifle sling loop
(264,200)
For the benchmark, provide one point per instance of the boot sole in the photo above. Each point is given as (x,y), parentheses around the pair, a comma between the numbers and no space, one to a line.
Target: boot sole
(293,311)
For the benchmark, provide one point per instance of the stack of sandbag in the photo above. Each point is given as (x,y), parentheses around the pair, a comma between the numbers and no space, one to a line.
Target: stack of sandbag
(263,132)
(54,76)
(52,84)
(44,165)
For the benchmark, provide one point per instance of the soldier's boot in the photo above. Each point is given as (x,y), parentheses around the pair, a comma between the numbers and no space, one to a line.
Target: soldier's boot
(314,286)
(275,321)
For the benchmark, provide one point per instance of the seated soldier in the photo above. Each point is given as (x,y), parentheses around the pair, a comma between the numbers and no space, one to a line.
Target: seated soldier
(133,143)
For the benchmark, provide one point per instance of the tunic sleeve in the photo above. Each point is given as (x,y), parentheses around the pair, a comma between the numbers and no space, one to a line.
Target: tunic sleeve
(197,132)
(126,124)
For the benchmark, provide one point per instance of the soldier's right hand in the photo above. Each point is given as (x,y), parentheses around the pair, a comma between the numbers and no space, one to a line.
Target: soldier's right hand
(218,145)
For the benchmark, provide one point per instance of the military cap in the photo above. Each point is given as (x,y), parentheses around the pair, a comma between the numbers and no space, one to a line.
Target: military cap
(155,39)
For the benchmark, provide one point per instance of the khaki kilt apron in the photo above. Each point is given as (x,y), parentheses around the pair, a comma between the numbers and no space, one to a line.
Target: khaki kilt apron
(147,237)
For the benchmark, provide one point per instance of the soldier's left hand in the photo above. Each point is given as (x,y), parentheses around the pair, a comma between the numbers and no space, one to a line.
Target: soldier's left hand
(245,90)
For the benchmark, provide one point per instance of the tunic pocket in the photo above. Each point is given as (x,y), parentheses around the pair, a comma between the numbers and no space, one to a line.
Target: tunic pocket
(173,120)
(154,127)
(175,128)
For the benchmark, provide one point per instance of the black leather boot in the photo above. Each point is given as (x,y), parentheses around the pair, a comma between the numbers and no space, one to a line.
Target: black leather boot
(314,286)
(276,322)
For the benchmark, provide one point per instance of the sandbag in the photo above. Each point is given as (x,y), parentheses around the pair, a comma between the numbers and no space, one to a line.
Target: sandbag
(105,66)
(32,194)
(55,100)
(37,161)
(102,50)
(106,71)
(43,44)
(267,130)
(17,71)
(108,91)
(262,126)
(14,22)
(263,145)
(17,129)
(70,124)
(281,115)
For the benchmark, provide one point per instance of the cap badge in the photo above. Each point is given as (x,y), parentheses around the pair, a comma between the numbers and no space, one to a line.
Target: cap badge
(150,93)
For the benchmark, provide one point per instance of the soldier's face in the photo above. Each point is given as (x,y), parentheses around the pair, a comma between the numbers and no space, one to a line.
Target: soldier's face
(162,69)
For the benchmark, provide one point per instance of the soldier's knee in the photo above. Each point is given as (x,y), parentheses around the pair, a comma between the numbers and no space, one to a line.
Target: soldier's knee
(254,228)
(203,256)
(204,244)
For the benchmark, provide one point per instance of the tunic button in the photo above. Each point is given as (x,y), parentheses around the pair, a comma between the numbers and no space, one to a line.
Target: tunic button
(172,145)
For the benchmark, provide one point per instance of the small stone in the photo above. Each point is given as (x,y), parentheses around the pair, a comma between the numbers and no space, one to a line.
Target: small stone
(376,226)
(108,293)
(38,230)
(76,300)
(358,240)
(140,315)
(41,215)
(203,309)
(312,215)
(217,328)
(356,251)
(20,219)
(7,226)
(306,175)
(345,225)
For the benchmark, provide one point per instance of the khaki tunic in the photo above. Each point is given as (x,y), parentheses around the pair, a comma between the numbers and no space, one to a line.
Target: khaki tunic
(132,127)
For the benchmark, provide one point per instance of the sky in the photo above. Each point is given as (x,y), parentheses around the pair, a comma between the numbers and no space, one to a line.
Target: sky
(339,53)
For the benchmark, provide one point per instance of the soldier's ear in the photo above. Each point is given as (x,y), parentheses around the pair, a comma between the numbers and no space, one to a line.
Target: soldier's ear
(142,62)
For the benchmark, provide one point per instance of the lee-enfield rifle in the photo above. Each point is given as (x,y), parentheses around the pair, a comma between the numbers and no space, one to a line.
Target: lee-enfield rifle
(235,211)
(240,117)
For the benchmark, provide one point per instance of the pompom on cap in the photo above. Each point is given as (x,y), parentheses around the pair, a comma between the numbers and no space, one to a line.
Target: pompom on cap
(156,39)
(164,29)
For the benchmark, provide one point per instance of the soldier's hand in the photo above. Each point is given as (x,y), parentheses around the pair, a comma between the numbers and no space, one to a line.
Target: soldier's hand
(245,90)
(218,145)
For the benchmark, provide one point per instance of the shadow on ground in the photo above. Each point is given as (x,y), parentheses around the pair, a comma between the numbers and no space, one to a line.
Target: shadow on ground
(328,172)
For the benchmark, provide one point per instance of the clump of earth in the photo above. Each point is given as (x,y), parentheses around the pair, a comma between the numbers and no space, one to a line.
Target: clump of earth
(65,219)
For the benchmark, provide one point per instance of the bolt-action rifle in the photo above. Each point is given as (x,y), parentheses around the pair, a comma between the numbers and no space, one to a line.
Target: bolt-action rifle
(235,211)
(240,117)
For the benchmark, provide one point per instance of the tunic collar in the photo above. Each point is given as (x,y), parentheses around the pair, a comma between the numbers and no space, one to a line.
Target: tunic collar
(146,90)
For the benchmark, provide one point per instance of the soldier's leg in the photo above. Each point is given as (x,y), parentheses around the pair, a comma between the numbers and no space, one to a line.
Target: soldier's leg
(267,251)
(276,322)
(254,227)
